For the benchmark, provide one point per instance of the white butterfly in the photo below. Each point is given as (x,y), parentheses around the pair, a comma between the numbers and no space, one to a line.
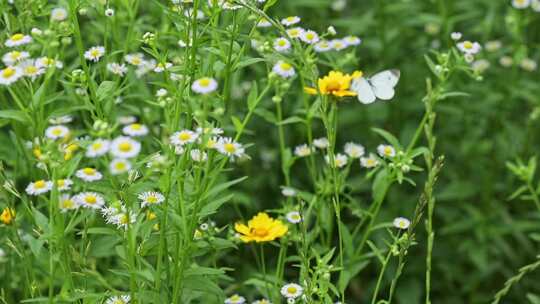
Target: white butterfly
(380,85)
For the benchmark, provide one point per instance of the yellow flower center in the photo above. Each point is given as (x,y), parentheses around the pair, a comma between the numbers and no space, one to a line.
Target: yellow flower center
(124,219)
(387,150)
(204,82)
(89,171)
(15,55)
(125,147)
(468,45)
(152,199)
(310,36)
(68,204)
(136,61)
(285,66)
(30,70)
(97,146)
(94,53)
(136,126)
(8,72)
(61,183)
(17,37)
(370,162)
(229,147)
(40,184)
(90,199)
(291,290)
(282,42)
(120,166)
(184,136)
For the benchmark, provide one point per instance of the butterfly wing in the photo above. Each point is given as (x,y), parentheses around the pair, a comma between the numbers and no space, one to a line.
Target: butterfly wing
(364,91)
(383,84)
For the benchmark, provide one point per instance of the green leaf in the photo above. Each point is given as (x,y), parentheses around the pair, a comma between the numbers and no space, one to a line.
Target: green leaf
(253,96)
(106,90)
(247,62)
(15,115)
(391,139)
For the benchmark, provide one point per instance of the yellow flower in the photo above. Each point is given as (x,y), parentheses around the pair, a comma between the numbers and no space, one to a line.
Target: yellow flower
(7,216)
(335,83)
(261,228)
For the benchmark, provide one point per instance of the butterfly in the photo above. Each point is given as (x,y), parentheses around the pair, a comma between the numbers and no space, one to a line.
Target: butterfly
(379,86)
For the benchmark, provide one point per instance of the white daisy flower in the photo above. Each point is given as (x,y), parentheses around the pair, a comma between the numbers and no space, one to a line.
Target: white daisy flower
(321,143)
(352,40)
(118,215)
(198,156)
(119,300)
(10,75)
(36,31)
(31,69)
(135,129)
(354,150)
(161,93)
(369,162)
(64,119)
(151,198)
(39,187)
(235,299)
(160,67)
(282,45)
(303,150)
(67,203)
(135,59)
(119,166)
(340,160)
(228,147)
(109,12)
(528,65)
(322,46)
(18,39)
(94,53)
(59,14)
(213,131)
(204,85)
(97,148)
(57,132)
(262,301)
(89,174)
(183,137)
(46,62)
(64,184)
(295,32)
(310,37)
(506,61)
(89,200)
(294,217)
(456,36)
(119,69)
(11,58)
(264,23)
(401,223)
(469,47)
(292,290)
(494,45)
(386,151)
(125,147)
(521,4)
(127,119)
(290,20)
(338,44)
(284,69)
(288,191)
(535,4)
